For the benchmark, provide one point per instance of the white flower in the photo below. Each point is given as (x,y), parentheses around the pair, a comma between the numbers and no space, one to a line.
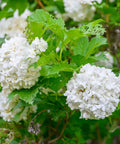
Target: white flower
(3,5)
(94,91)
(57,49)
(14,26)
(80,10)
(106,63)
(16,55)
(39,45)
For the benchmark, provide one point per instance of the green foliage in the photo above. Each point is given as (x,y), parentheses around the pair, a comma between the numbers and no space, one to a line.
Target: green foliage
(11,6)
(44,22)
(52,70)
(77,45)
(47,59)
(27,95)
(93,28)
(85,48)
(2,40)
(52,5)
(58,82)
(112,11)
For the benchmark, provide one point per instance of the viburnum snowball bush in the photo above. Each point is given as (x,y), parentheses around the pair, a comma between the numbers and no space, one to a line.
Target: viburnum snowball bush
(14,26)
(94,91)
(79,10)
(54,68)
(16,57)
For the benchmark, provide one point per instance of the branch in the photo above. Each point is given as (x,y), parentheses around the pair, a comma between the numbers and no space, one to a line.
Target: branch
(54,140)
(98,134)
(41,5)
(40,113)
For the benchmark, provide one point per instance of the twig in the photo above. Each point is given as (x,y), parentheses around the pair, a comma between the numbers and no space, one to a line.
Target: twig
(53,140)
(98,135)
(40,113)
(107,20)
(41,5)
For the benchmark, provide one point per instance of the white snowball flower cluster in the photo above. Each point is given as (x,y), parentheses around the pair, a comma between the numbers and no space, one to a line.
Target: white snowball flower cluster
(14,26)
(16,55)
(108,63)
(80,10)
(94,91)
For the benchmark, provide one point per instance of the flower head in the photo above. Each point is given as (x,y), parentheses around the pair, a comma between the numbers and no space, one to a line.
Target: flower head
(79,10)
(94,91)
(16,57)
(14,26)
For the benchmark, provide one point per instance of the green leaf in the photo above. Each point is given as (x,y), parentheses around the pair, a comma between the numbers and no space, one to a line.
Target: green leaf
(78,60)
(6,13)
(20,104)
(39,16)
(2,40)
(26,95)
(45,21)
(58,82)
(21,5)
(13,5)
(95,43)
(47,59)
(53,43)
(85,48)
(101,56)
(52,70)
(74,34)
(93,28)
(81,46)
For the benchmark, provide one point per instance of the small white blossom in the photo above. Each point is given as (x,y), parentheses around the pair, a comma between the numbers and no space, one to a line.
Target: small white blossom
(16,55)
(14,26)
(94,91)
(39,45)
(3,5)
(80,10)
(57,49)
